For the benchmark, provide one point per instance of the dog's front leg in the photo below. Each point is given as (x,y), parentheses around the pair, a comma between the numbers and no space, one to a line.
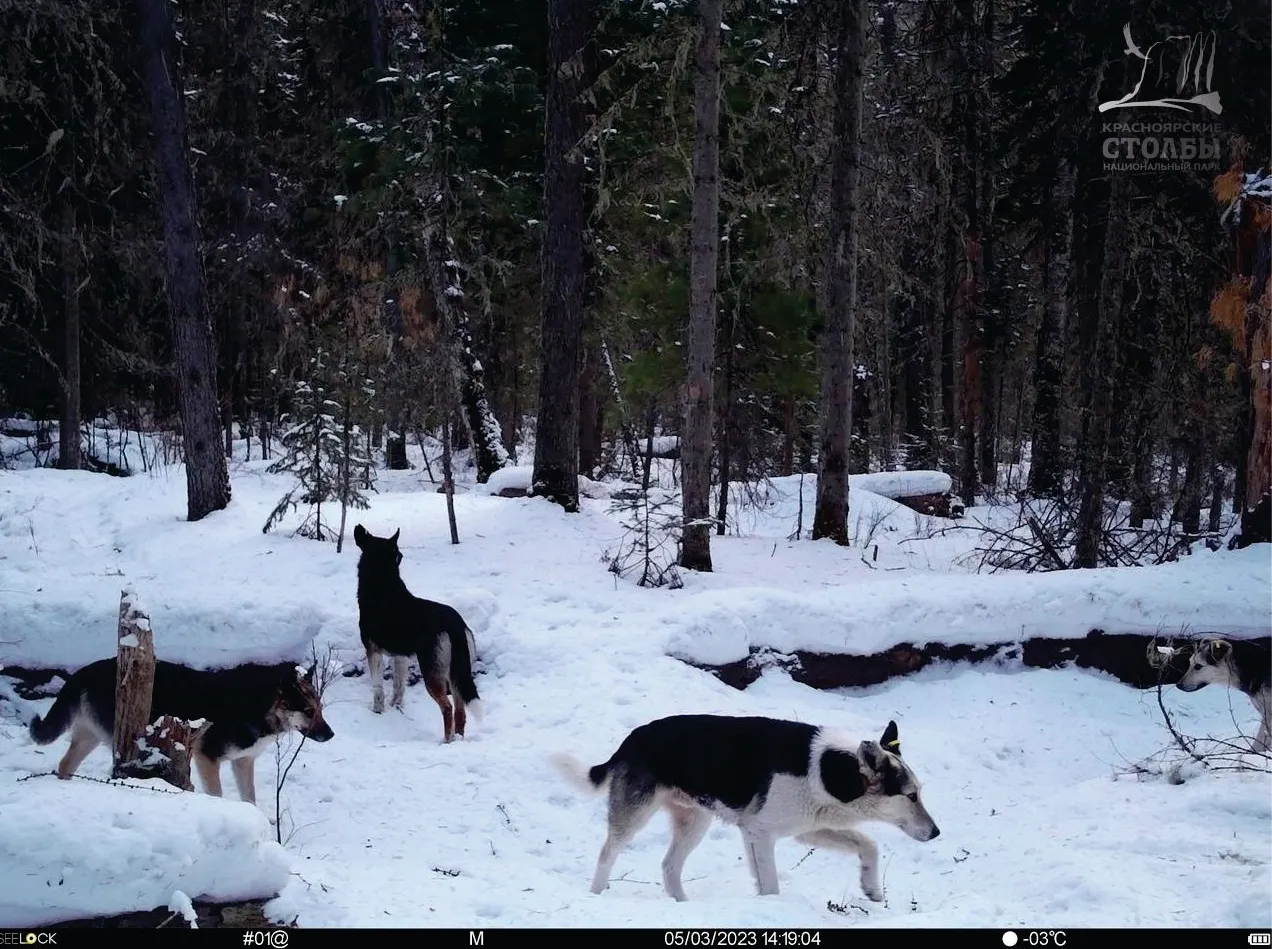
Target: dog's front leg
(209,774)
(760,855)
(853,842)
(375,671)
(245,778)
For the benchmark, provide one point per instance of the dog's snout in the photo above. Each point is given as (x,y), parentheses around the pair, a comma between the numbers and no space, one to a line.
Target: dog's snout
(936,832)
(320,732)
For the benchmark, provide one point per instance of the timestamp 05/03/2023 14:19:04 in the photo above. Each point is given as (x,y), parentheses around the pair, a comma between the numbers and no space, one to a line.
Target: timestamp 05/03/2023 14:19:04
(757,938)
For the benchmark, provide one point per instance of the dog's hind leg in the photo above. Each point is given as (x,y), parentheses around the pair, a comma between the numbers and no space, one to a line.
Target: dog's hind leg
(401,669)
(853,842)
(630,808)
(437,689)
(245,778)
(689,824)
(209,773)
(760,855)
(83,741)
(461,713)
(375,672)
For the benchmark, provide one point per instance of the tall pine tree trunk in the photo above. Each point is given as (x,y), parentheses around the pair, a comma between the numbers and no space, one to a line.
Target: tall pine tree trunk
(695,446)
(207,476)
(390,31)
(570,58)
(970,285)
(990,319)
(68,450)
(591,409)
(1046,471)
(830,517)
(916,369)
(443,272)
(727,427)
(1102,321)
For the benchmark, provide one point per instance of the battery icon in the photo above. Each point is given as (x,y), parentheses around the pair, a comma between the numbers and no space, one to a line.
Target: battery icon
(1259,939)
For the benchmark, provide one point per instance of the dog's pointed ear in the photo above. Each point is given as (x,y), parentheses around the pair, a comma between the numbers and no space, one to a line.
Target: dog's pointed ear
(359,534)
(891,740)
(870,755)
(396,534)
(1217,649)
(309,673)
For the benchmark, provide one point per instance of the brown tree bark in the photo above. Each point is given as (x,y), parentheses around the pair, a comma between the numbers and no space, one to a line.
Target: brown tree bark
(134,683)
(790,429)
(1046,472)
(384,27)
(830,517)
(68,450)
(970,284)
(571,66)
(207,476)
(175,739)
(459,355)
(992,337)
(696,443)
(1105,313)
(726,424)
(591,410)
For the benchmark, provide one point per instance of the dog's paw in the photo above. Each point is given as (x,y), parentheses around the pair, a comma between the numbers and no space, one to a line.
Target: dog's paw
(377,706)
(873,892)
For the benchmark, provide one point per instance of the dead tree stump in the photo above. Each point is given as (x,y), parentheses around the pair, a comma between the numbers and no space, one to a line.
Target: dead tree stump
(134,683)
(167,747)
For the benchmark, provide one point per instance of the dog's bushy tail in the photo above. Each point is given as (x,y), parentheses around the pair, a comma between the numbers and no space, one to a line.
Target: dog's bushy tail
(588,780)
(51,726)
(462,670)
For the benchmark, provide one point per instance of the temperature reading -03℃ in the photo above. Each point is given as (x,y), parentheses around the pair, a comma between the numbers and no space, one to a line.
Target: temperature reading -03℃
(1036,938)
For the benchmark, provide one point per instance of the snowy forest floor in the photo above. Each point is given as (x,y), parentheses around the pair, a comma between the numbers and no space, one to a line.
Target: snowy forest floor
(1046,820)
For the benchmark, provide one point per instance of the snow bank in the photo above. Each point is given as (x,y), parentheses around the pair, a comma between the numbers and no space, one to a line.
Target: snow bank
(71,849)
(519,477)
(660,445)
(1223,592)
(902,484)
(58,633)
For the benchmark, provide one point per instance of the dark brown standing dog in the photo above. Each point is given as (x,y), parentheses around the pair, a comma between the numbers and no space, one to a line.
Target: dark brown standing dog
(394,621)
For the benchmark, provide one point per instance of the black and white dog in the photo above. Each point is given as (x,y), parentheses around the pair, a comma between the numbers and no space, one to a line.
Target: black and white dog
(1240,664)
(771,778)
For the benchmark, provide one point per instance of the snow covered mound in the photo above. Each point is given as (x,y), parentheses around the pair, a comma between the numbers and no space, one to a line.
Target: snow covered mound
(64,634)
(75,848)
(1224,593)
(521,478)
(515,477)
(902,484)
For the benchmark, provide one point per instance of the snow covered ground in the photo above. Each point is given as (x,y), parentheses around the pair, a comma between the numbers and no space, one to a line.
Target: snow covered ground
(1027,772)
(79,848)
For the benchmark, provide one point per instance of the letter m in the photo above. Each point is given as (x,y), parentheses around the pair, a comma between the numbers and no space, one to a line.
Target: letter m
(476,939)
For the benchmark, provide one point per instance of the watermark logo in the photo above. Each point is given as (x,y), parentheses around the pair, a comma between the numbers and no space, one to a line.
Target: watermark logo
(1177,73)
(1178,66)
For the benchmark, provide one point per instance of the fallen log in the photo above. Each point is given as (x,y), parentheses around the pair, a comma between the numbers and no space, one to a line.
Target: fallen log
(1122,655)
(928,492)
(249,914)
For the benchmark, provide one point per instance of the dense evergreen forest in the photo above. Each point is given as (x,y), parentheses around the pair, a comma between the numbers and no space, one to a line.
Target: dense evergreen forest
(822,236)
